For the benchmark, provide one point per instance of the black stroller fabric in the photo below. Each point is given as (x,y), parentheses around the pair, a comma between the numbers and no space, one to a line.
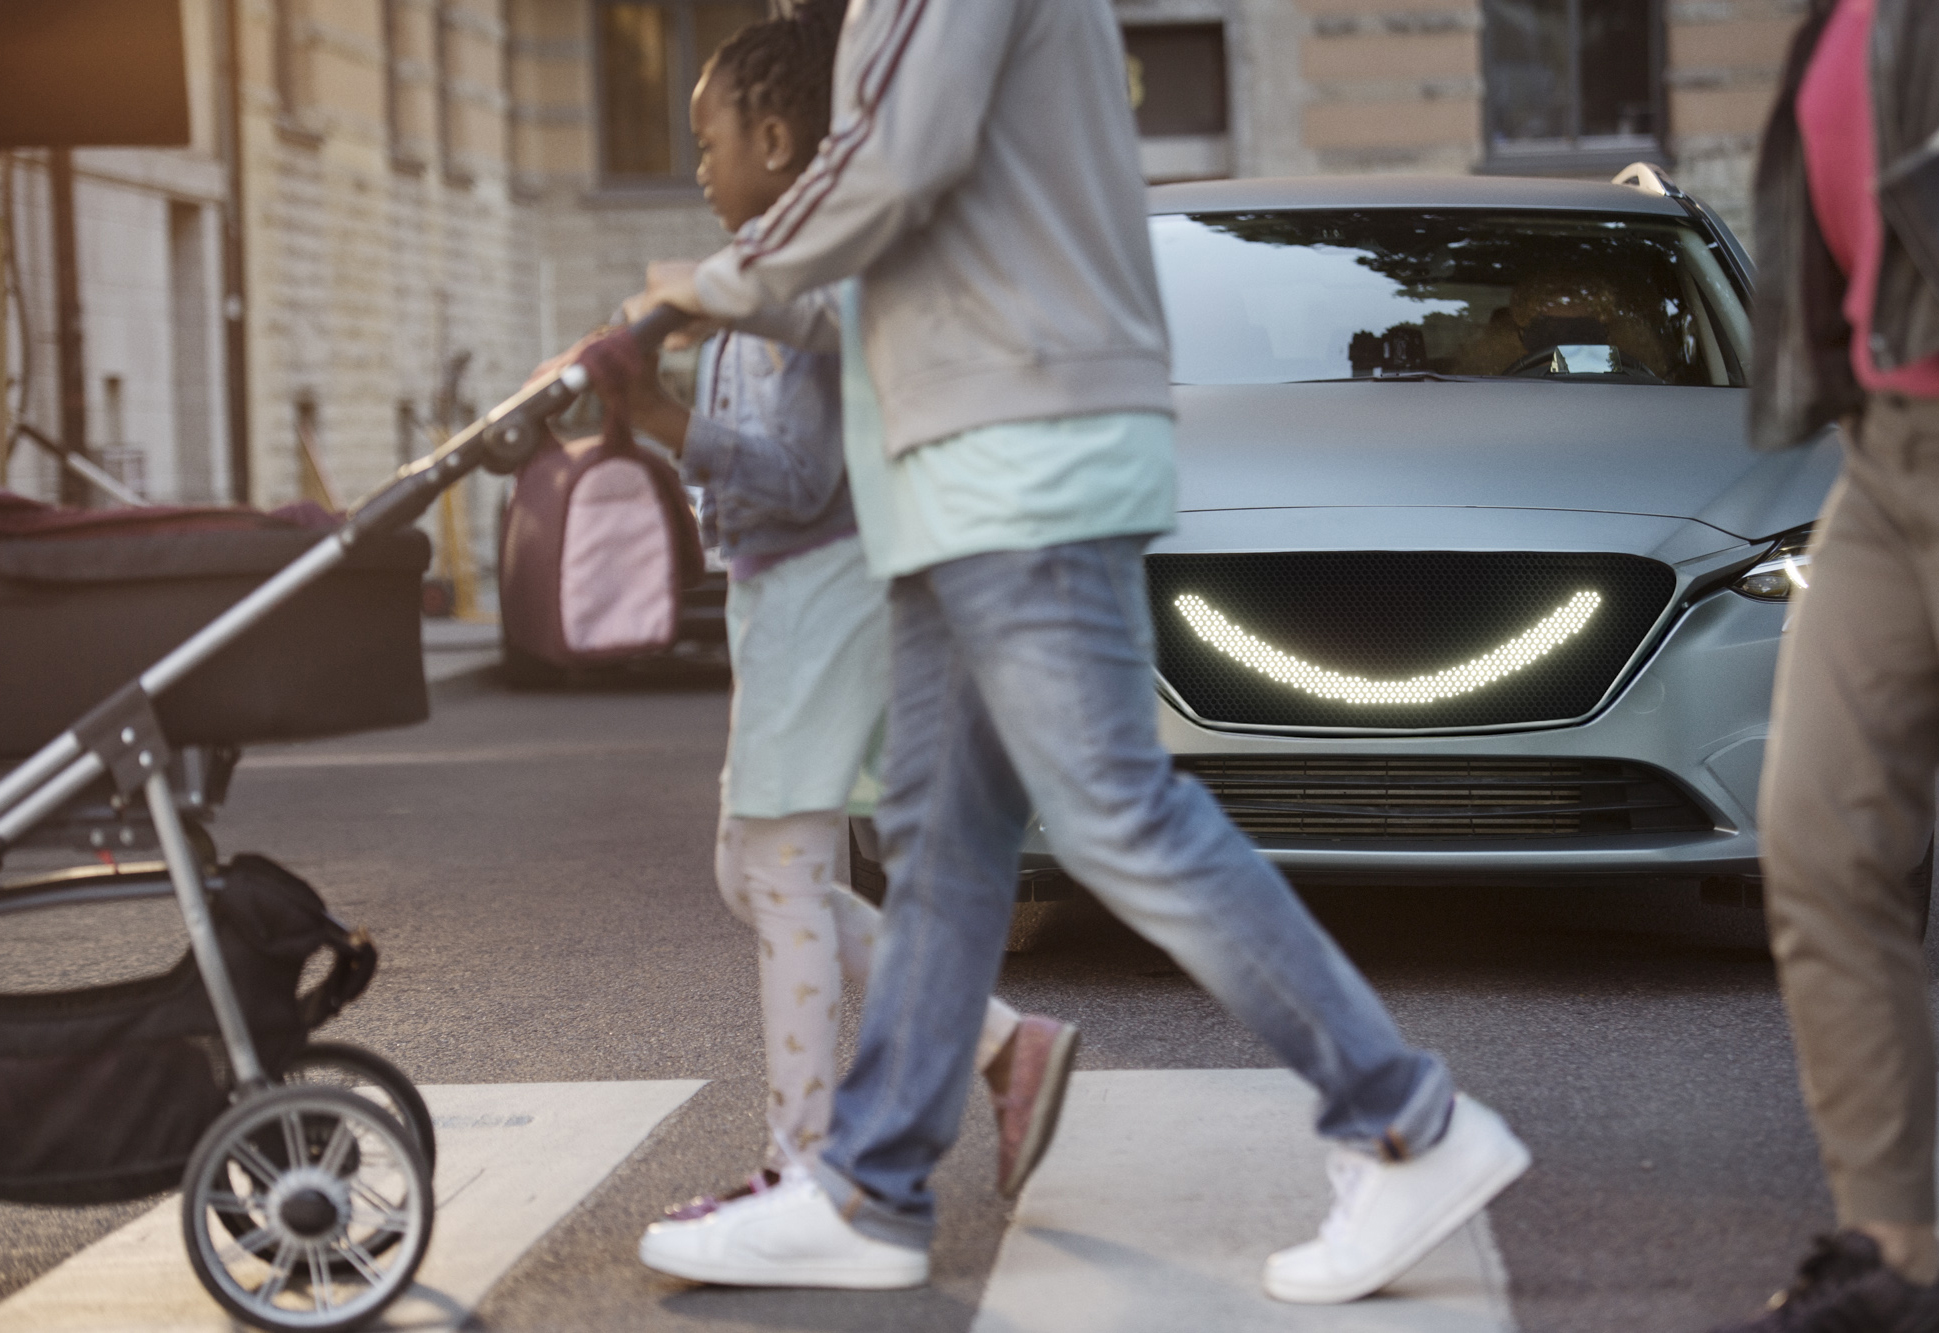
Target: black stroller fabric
(86,607)
(104,1092)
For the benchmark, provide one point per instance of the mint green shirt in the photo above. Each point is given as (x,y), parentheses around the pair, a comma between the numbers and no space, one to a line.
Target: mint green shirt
(1013,486)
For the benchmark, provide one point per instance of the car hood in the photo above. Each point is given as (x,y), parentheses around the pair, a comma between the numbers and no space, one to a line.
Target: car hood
(1613,449)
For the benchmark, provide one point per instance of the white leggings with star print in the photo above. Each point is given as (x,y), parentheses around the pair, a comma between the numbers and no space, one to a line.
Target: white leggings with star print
(778,876)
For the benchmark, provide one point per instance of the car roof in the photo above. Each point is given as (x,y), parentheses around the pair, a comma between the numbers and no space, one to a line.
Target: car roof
(1515,192)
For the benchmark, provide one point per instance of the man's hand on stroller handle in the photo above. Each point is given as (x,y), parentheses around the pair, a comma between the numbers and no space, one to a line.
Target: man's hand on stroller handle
(656,325)
(670,282)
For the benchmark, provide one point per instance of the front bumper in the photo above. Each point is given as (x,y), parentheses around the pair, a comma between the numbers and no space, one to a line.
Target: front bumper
(1698,710)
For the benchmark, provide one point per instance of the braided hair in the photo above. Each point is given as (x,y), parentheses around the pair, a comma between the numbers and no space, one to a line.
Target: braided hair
(785,67)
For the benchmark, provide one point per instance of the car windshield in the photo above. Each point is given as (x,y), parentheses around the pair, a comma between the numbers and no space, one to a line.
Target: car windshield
(1273,297)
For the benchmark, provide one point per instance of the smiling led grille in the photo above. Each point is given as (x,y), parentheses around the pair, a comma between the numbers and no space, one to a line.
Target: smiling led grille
(1526,648)
(1400,640)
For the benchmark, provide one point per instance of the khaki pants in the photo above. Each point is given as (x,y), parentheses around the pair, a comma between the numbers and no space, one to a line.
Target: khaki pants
(1847,810)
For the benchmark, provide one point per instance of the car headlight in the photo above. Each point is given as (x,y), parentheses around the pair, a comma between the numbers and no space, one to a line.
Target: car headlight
(1786,566)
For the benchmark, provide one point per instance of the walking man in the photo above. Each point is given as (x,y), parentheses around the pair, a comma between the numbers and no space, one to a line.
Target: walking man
(1009,447)
(1847,326)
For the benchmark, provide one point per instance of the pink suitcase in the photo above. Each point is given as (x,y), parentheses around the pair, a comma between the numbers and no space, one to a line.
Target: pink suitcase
(598,548)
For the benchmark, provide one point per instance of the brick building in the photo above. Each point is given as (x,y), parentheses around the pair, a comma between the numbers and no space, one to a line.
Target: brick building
(434,193)
(1568,87)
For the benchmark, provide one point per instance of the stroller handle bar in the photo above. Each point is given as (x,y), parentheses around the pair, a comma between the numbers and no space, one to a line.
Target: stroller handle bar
(499,441)
(123,738)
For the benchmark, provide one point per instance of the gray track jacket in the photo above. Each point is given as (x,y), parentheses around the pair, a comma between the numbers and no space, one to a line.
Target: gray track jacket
(981,174)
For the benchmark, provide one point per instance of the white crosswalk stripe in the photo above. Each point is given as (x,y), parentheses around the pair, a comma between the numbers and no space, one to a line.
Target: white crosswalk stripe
(1163,1195)
(1154,1212)
(513,1158)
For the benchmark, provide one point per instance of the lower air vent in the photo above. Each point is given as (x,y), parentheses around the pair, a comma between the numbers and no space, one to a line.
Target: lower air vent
(1349,798)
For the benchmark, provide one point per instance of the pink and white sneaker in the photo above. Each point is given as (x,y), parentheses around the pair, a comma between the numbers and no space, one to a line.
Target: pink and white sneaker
(1042,1051)
(702,1204)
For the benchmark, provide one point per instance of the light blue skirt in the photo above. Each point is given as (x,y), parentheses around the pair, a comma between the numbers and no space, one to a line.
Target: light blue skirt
(809,640)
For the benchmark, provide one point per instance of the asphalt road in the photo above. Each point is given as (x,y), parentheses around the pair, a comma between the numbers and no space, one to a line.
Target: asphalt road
(536,869)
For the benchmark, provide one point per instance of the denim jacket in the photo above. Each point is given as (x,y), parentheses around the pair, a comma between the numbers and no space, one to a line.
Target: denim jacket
(765,442)
(1802,378)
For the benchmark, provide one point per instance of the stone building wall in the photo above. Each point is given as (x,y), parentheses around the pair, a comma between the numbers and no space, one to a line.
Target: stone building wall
(1322,86)
(423,189)
(1725,60)
(384,249)
(590,241)
(393,229)
(1396,85)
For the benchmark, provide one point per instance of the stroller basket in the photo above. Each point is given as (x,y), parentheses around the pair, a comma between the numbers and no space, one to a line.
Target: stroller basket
(105,1092)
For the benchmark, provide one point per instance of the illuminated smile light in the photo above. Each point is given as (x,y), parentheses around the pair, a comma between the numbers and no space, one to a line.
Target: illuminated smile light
(1525,649)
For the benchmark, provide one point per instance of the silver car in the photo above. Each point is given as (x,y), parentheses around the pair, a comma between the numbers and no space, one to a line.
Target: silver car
(1475,577)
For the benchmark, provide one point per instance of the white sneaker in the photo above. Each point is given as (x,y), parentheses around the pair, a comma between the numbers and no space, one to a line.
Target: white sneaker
(788,1236)
(1387,1216)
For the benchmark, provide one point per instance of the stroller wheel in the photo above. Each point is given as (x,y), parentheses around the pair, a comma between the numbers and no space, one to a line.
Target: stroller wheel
(317,1176)
(336,1064)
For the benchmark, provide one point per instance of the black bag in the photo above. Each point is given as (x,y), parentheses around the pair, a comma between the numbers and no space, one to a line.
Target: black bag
(104,1092)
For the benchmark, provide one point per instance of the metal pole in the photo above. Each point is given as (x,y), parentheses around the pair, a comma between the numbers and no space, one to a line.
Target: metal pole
(50,797)
(90,471)
(6,312)
(235,307)
(67,307)
(187,875)
(52,757)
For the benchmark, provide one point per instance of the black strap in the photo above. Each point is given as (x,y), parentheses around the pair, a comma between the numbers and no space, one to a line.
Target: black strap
(356,963)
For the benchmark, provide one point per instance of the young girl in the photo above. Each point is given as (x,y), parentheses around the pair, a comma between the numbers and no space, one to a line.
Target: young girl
(807,633)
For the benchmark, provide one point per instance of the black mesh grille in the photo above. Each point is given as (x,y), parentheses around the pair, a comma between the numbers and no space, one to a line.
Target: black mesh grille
(1357,798)
(1398,615)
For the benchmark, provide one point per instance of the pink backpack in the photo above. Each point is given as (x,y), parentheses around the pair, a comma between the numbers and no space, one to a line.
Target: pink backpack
(598,544)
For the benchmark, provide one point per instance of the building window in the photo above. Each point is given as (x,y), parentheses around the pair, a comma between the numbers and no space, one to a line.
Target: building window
(1175,74)
(1573,85)
(126,463)
(192,354)
(295,73)
(444,61)
(289,71)
(650,54)
(393,94)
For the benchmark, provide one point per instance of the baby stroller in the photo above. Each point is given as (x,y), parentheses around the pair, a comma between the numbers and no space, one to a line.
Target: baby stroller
(305,1167)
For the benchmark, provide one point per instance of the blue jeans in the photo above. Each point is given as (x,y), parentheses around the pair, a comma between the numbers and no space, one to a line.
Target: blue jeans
(1023,681)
